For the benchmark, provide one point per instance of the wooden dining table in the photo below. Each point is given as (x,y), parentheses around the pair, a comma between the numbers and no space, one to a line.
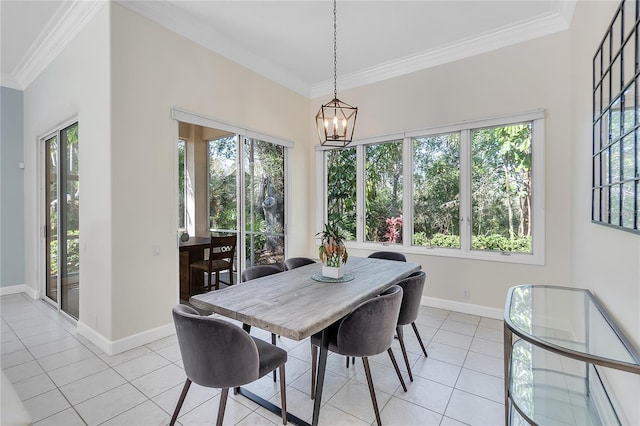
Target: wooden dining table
(294,305)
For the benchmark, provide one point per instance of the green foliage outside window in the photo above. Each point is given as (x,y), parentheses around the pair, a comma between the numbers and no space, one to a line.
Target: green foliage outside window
(341,188)
(436,191)
(383,189)
(501,185)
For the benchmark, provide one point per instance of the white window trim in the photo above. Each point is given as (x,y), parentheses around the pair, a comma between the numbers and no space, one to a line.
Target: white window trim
(537,257)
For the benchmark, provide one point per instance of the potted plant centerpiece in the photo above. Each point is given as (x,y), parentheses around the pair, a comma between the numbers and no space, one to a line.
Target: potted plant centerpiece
(332,251)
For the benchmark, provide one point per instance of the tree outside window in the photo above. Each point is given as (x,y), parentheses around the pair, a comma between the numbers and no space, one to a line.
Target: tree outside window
(436,190)
(471,189)
(501,188)
(383,192)
(341,189)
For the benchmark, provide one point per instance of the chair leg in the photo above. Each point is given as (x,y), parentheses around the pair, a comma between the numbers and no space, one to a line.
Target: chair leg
(223,404)
(231,276)
(283,394)
(217,280)
(404,350)
(395,365)
(183,395)
(314,363)
(273,342)
(372,391)
(353,361)
(415,330)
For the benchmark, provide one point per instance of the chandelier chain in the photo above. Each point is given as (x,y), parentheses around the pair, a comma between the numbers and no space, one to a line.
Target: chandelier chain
(335,53)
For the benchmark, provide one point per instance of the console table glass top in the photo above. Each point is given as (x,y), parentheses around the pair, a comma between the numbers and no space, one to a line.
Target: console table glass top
(570,321)
(551,374)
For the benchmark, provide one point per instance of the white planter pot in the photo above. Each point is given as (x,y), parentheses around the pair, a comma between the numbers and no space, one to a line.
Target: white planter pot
(331,272)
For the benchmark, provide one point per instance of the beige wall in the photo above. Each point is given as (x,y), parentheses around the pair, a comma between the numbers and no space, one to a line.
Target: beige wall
(153,69)
(76,84)
(605,260)
(521,78)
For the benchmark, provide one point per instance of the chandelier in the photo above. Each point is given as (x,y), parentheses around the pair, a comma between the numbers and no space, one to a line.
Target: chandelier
(336,119)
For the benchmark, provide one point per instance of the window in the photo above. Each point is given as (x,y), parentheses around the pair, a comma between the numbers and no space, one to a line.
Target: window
(383,192)
(470,190)
(616,124)
(341,189)
(436,190)
(223,204)
(501,188)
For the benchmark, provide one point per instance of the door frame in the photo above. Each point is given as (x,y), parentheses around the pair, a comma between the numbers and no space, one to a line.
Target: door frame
(42,251)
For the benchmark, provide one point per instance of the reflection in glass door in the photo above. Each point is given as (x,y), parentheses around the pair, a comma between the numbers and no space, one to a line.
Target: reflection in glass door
(264,194)
(62,226)
(262,206)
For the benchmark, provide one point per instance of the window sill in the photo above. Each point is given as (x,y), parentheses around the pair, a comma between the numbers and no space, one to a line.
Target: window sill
(489,256)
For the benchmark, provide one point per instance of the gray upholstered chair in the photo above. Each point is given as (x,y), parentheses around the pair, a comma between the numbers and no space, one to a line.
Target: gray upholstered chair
(257,271)
(412,288)
(218,354)
(296,262)
(366,331)
(388,255)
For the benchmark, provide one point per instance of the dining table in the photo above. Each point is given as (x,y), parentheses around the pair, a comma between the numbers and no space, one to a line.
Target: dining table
(302,302)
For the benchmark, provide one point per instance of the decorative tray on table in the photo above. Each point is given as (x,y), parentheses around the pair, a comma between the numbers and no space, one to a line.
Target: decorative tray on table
(319,277)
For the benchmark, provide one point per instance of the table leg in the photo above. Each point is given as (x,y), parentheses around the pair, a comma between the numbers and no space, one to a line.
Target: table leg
(508,338)
(322,365)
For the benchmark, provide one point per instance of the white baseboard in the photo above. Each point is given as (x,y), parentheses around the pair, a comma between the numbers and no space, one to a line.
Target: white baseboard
(20,288)
(465,308)
(115,347)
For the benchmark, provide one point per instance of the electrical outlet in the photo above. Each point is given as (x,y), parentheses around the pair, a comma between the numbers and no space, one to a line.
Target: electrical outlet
(155,250)
(465,293)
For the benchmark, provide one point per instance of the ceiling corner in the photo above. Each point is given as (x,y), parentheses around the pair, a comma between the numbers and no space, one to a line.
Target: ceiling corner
(63,26)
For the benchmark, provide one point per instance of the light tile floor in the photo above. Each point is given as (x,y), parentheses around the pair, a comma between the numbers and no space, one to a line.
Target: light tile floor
(64,379)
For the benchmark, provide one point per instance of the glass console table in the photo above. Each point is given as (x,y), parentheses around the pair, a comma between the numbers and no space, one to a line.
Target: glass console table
(551,369)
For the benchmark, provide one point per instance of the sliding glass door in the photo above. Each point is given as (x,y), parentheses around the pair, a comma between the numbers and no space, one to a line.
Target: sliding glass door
(230,183)
(264,202)
(62,225)
(261,193)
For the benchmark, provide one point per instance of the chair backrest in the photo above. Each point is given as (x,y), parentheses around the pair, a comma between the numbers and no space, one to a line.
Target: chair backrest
(223,248)
(257,271)
(388,255)
(296,262)
(215,353)
(412,288)
(368,330)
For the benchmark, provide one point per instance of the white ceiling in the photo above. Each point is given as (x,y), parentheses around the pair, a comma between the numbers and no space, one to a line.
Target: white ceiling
(291,42)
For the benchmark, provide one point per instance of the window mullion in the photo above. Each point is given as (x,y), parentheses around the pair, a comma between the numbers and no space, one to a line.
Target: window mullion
(360,196)
(407,192)
(465,191)
(321,189)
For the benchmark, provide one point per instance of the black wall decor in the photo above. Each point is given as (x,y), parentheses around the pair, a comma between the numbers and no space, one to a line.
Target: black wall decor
(616,123)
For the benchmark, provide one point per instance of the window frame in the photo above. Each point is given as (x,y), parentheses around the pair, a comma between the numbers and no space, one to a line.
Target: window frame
(536,257)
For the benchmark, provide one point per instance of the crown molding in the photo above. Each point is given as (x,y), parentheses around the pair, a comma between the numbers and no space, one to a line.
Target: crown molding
(7,80)
(63,26)
(73,15)
(558,19)
(177,20)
